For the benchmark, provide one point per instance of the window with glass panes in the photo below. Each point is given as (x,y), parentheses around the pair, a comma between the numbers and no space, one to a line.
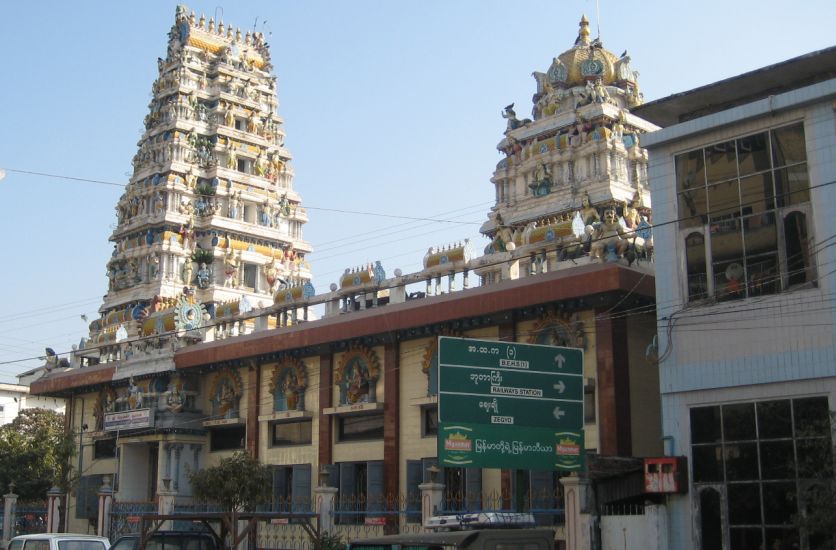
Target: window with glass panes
(743,209)
(752,464)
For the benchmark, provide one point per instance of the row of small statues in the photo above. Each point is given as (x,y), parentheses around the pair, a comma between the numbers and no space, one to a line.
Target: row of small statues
(607,236)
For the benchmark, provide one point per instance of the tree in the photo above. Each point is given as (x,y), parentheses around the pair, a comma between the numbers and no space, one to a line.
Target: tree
(238,483)
(35,453)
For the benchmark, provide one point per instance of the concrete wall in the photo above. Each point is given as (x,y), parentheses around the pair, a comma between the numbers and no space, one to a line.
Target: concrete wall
(647,532)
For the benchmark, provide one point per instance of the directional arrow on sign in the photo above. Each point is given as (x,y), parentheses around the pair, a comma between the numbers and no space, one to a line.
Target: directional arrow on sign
(560,386)
(558,413)
(559,360)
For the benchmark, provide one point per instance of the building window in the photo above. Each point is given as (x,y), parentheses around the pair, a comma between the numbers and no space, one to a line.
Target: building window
(589,401)
(292,488)
(86,497)
(227,438)
(241,124)
(462,489)
(752,464)
(359,428)
(104,448)
(360,487)
(245,165)
(297,432)
(743,215)
(429,421)
(250,276)
(538,492)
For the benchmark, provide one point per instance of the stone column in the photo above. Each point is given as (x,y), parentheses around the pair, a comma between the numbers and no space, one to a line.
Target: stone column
(431,495)
(105,495)
(578,519)
(165,502)
(510,269)
(9,512)
(54,499)
(324,497)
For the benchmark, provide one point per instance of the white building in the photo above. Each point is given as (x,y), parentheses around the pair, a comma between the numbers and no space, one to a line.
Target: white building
(15,397)
(742,179)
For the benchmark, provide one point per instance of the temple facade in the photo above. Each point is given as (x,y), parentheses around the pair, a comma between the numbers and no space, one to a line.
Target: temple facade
(350,399)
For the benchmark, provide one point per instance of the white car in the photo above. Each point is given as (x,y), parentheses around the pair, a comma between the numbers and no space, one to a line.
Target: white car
(58,541)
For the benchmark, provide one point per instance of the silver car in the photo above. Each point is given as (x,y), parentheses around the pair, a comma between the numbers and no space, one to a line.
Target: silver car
(58,541)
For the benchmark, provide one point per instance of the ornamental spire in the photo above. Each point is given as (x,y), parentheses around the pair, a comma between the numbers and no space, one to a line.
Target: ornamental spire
(583,33)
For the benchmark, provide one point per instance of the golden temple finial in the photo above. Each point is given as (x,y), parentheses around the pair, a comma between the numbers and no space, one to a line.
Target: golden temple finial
(211,24)
(238,34)
(229,32)
(248,39)
(192,19)
(583,33)
(221,28)
(202,22)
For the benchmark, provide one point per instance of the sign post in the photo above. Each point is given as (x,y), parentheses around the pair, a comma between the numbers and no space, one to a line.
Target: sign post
(509,405)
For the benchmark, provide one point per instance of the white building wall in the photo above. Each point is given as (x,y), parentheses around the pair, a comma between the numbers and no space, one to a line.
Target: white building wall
(780,346)
(648,530)
(15,397)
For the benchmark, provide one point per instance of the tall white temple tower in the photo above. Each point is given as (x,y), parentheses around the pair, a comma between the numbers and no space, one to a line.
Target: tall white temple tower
(210,224)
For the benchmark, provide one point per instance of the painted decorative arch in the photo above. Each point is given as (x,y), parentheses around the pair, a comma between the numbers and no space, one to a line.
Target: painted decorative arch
(225,392)
(559,329)
(288,383)
(357,375)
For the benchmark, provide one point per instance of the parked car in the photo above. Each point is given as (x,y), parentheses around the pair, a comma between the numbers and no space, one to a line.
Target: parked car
(168,540)
(475,531)
(58,541)
(480,539)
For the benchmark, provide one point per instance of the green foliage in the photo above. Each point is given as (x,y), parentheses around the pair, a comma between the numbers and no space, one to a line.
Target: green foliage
(329,541)
(238,483)
(35,453)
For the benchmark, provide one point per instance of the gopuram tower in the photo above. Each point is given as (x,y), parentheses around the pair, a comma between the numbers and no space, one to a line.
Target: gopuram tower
(573,178)
(209,224)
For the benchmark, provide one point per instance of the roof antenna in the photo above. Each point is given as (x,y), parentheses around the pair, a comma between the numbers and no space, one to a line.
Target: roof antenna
(598,19)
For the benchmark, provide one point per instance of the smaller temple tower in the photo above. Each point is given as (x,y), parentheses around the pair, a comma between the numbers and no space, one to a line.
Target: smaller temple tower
(573,176)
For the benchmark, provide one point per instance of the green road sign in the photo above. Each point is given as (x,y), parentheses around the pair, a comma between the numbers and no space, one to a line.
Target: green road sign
(481,446)
(509,355)
(504,395)
(513,411)
(511,383)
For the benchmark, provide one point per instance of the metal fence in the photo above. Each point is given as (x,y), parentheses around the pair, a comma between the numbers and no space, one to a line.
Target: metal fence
(30,518)
(355,517)
(125,515)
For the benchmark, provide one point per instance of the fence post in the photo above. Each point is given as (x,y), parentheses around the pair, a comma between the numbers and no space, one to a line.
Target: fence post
(105,495)
(431,495)
(54,499)
(578,520)
(9,512)
(325,497)
(165,502)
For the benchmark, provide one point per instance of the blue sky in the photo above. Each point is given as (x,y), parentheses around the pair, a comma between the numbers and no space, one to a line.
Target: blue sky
(390,107)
